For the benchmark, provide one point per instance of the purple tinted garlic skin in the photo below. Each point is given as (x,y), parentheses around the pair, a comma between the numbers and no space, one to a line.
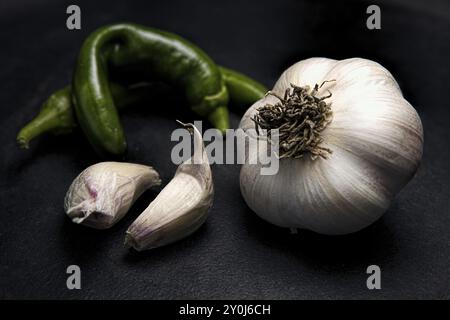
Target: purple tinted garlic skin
(103,193)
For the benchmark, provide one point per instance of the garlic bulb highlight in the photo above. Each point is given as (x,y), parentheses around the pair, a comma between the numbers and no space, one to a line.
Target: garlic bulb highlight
(340,169)
(180,208)
(104,192)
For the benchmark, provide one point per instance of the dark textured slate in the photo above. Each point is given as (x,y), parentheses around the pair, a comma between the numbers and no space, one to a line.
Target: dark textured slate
(235,254)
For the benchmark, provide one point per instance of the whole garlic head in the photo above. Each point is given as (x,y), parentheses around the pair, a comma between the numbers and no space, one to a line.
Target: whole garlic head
(104,192)
(375,137)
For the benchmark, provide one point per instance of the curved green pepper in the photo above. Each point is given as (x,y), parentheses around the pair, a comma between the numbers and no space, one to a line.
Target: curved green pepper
(57,115)
(166,55)
(243,90)
(57,112)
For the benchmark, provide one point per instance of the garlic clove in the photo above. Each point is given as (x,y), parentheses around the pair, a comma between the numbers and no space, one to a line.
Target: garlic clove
(304,73)
(103,193)
(373,121)
(180,208)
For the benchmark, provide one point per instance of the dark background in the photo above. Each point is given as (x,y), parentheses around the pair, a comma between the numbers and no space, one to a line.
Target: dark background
(235,254)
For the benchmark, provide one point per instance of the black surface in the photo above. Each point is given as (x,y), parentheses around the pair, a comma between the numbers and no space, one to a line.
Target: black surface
(235,254)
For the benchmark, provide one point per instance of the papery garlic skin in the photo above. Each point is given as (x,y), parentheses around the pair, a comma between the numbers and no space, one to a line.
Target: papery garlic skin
(180,208)
(376,137)
(103,193)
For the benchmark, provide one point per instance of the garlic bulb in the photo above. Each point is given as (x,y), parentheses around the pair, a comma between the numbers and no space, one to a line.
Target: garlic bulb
(361,142)
(180,208)
(103,193)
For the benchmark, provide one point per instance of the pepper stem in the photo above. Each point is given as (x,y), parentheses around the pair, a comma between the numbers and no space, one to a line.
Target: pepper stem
(219,119)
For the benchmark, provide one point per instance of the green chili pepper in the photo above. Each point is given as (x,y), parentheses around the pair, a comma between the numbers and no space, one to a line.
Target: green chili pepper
(243,90)
(57,115)
(167,56)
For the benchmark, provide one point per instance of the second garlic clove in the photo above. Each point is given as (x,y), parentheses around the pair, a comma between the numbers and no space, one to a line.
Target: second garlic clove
(180,208)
